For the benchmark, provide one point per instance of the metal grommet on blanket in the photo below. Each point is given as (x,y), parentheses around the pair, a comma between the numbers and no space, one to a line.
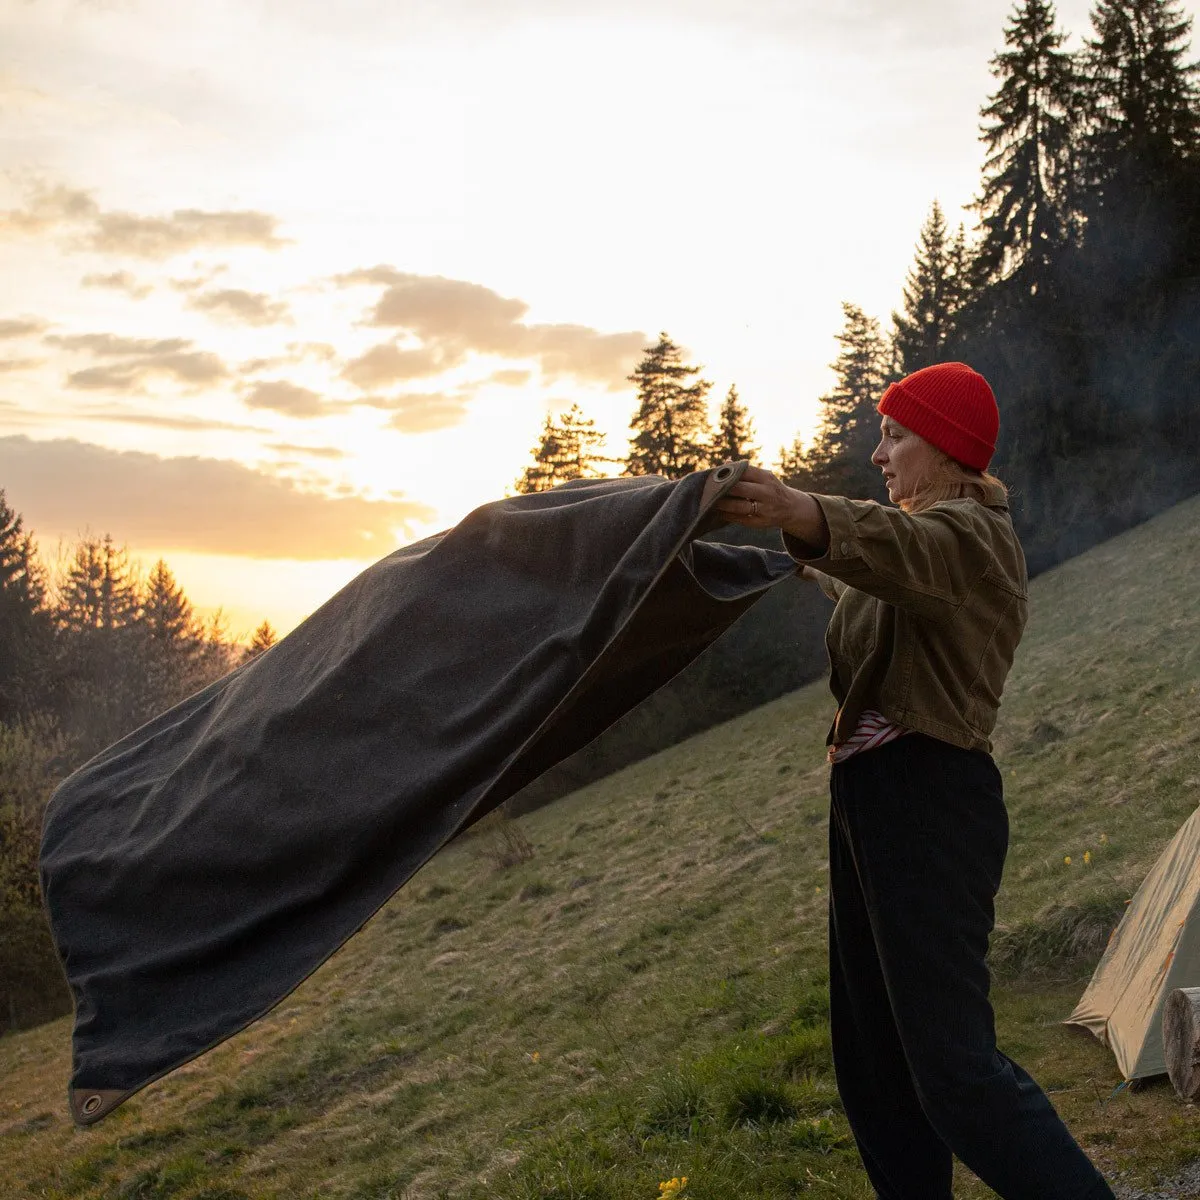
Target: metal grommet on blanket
(723,473)
(94,1104)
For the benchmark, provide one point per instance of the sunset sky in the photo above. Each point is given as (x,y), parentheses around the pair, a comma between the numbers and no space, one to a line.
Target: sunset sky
(288,283)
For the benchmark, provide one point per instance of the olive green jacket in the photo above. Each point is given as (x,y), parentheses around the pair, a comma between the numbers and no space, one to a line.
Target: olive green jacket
(930,608)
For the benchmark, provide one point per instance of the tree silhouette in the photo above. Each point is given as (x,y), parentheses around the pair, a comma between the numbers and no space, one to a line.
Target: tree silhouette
(933,296)
(790,466)
(99,589)
(1141,96)
(734,439)
(174,652)
(1026,206)
(670,427)
(264,638)
(839,460)
(570,448)
(24,618)
(166,612)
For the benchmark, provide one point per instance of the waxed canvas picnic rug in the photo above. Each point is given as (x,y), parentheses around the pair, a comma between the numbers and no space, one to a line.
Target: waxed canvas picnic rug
(198,870)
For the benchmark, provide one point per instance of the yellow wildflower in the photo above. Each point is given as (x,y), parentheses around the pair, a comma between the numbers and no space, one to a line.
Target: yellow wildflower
(1087,856)
(671,1188)
(535,1056)
(1067,859)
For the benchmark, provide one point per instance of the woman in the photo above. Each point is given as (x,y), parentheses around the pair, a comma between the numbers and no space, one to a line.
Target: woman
(931,602)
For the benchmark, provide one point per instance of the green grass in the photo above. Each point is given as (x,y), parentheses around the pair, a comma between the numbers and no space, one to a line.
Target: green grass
(645,998)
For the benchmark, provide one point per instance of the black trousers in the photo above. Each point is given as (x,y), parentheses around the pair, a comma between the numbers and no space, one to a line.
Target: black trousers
(917,838)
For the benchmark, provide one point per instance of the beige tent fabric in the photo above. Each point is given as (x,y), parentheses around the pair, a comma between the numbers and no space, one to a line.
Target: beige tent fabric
(1155,949)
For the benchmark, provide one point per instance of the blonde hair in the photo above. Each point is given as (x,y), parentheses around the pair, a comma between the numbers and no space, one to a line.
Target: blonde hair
(951,481)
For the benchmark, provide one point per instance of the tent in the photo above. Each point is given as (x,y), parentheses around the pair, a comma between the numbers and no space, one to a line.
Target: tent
(1155,949)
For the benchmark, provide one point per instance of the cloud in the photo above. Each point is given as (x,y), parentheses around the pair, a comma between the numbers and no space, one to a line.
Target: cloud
(143,359)
(105,345)
(253,366)
(453,317)
(16,414)
(389,363)
(16,327)
(199,368)
(320,351)
(288,398)
(438,309)
(511,377)
(236,304)
(185,229)
(202,280)
(8,365)
(158,421)
(119,281)
(422,412)
(202,505)
(61,208)
(49,208)
(331,452)
(581,352)
(297,352)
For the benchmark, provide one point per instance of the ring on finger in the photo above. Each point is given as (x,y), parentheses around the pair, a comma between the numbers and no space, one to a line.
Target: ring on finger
(754,508)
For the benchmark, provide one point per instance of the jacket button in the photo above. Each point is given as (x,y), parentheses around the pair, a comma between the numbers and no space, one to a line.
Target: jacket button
(845,547)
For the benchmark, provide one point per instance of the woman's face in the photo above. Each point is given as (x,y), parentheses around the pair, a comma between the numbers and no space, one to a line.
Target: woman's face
(907,460)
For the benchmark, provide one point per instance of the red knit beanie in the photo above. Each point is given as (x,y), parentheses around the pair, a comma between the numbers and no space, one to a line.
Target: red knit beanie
(950,406)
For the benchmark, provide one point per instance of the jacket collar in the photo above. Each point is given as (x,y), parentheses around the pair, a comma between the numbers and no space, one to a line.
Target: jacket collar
(995,496)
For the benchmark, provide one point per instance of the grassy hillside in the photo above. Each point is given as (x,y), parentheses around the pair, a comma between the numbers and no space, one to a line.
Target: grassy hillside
(644,999)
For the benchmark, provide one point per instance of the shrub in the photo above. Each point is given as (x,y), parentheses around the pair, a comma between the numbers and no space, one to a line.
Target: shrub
(32,987)
(502,841)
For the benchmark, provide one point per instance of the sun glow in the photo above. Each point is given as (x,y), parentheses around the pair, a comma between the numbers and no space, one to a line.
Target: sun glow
(209,282)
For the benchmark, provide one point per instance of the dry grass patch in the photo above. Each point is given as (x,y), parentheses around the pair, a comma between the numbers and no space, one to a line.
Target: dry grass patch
(643,999)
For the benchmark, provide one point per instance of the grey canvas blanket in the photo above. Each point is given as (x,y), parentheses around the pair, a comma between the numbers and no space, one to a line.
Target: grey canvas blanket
(198,870)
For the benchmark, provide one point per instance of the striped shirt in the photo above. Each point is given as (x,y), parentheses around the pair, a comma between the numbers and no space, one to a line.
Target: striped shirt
(873,730)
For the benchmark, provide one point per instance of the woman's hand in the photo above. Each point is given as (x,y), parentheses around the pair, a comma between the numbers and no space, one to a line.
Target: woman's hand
(760,500)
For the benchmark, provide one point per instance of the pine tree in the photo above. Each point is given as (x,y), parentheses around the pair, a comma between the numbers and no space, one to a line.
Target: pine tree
(670,427)
(839,460)
(959,284)
(539,475)
(166,612)
(264,638)
(735,431)
(22,580)
(570,448)
(99,589)
(1026,207)
(933,296)
(165,660)
(1141,95)
(1142,157)
(24,623)
(102,670)
(791,467)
